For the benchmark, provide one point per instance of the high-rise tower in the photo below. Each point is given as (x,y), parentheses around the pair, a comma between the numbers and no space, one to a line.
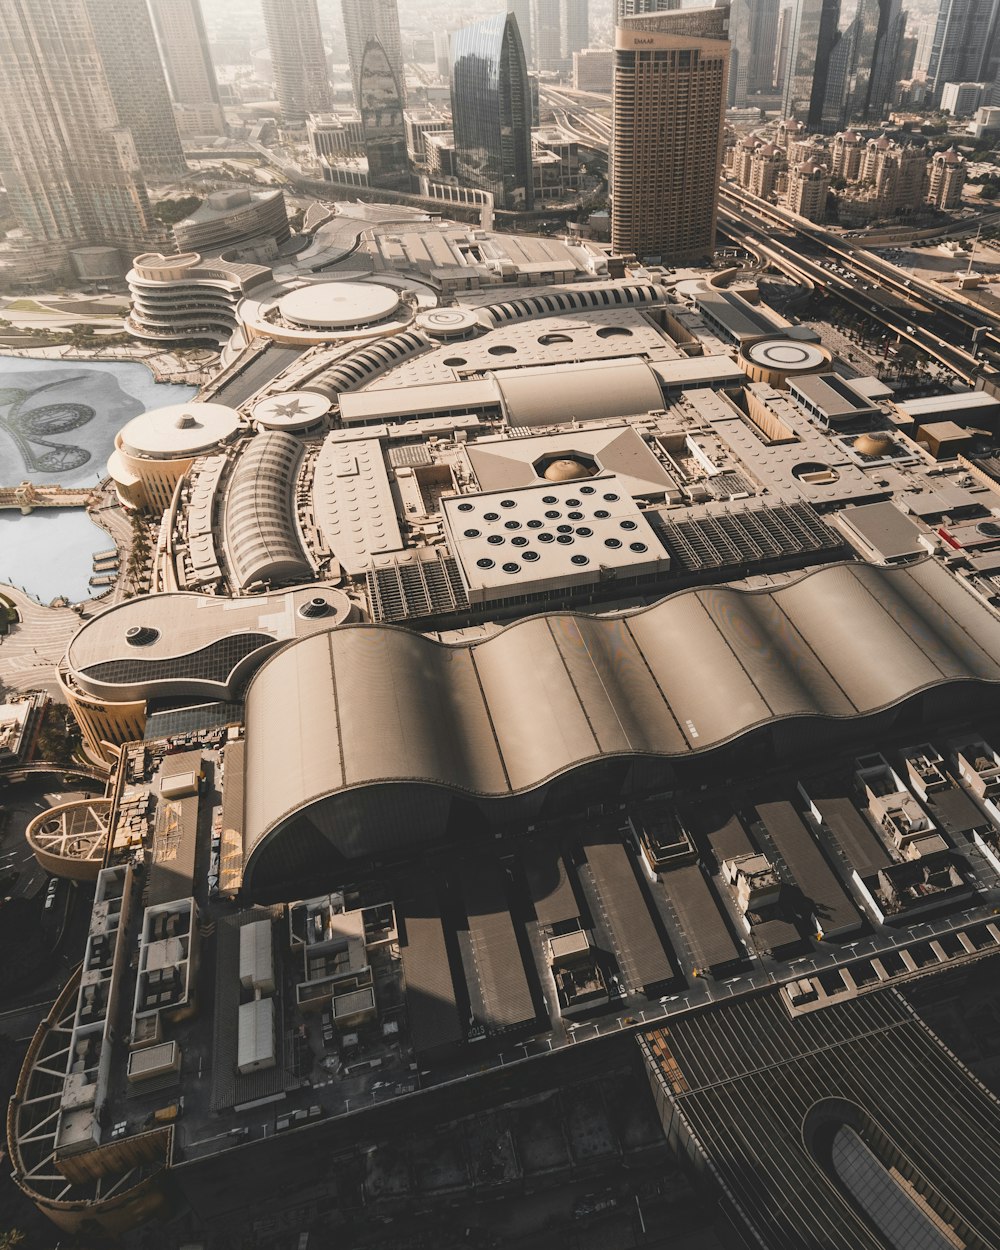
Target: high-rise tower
(297,58)
(964,46)
(668,107)
(642,8)
(382,125)
(753,33)
(812,39)
(522,11)
(67,159)
(194,89)
(123,36)
(365,20)
(491,110)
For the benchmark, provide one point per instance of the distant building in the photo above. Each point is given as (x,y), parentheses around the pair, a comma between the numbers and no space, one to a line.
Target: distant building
(961,99)
(418,124)
(183,44)
(126,46)
(365,20)
(642,8)
(947,178)
(812,38)
(71,174)
(491,110)
(753,31)
(986,121)
(808,187)
(765,166)
(669,105)
(382,127)
(592,70)
(846,155)
(298,60)
(254,223)
(963,46)
(335,134)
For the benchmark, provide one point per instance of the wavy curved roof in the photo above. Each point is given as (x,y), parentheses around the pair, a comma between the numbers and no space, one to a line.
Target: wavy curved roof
(363,706)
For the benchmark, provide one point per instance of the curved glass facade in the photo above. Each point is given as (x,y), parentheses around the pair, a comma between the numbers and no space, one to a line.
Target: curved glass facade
(491,110)
(381,104)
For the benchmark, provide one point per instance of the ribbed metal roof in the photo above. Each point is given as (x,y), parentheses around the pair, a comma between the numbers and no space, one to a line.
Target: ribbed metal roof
(747,1082)
(262,541)
(369,705)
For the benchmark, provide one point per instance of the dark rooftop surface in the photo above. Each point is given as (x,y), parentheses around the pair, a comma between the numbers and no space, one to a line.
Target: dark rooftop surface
(430,991)
(646,962)
(506,995)
(812,874)
(852,833)
(761,1093)
(549,886)
(698,911)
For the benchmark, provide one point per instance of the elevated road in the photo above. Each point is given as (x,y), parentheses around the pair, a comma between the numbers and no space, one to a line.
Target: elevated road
(915,311)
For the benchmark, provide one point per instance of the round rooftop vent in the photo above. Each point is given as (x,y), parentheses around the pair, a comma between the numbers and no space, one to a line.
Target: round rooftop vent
(141,635)
(315,607)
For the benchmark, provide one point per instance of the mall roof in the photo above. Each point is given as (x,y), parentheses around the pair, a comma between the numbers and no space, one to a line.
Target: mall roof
(179,430)
(591,391)
(261,537)
(372,705)
(191,638)
(504,463)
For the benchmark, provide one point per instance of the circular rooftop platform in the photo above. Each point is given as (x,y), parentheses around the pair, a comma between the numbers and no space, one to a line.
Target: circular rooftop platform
(295,410)
(447,323)
(786,355)
(338,305)
(179,431)
(68,840)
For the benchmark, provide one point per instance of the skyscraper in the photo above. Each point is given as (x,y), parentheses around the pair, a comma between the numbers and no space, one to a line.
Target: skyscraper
(522,11)
(297,58)
(123,36)
(382,125)
(574,20)
(812,38)
(67,160)
(372,19)
(860,67)
(546,33)
(183,43)
(641,8)
(669,105)
(964,45)
(753,33)
(491,110)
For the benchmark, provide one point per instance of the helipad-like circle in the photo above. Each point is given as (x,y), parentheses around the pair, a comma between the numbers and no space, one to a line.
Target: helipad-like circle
(292,410)
(786,355)
(446,323)
(338,305)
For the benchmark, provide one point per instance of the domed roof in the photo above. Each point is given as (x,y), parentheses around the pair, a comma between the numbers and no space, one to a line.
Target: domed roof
(876,443)
(566,470)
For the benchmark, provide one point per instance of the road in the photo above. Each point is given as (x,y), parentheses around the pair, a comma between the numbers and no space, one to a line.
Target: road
(938,324)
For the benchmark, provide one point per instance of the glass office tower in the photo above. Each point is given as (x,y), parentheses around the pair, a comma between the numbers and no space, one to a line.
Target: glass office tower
(965,43)
(812,41)
(491,110)
(382,125)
